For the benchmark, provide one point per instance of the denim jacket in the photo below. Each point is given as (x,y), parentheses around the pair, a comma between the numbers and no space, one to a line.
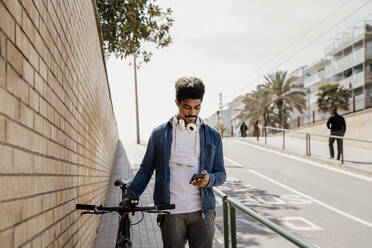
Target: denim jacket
(157,159)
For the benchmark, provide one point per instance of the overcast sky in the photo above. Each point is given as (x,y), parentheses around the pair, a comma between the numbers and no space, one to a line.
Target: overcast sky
(230,45)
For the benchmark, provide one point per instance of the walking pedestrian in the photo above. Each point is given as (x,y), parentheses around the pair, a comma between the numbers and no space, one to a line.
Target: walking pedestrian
(338,128)
(180,150)
(243,130)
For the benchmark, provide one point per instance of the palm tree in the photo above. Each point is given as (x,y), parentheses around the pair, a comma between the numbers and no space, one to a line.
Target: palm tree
(287,95)
(258,108)
(332,96)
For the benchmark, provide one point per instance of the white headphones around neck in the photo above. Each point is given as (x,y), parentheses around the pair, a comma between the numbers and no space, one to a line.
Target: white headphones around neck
(190,127)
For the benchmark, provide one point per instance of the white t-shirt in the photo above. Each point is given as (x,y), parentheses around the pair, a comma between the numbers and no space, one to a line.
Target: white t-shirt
(183,163)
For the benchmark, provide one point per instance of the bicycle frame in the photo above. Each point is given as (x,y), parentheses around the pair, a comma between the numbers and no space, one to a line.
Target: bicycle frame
(123,237)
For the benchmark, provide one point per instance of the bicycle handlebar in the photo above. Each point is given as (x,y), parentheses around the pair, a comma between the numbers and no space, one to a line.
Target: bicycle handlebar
(122,209)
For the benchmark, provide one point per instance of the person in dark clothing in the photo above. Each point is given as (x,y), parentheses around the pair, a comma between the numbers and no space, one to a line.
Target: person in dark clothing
(338,128)
(243,130)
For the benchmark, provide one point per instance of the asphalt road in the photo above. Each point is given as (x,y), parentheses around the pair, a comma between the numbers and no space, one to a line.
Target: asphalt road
(325,206)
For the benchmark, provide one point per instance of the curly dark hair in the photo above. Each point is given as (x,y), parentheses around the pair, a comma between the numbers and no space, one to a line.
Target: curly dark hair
(189,87)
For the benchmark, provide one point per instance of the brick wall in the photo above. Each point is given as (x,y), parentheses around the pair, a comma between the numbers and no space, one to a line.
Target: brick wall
(58,133)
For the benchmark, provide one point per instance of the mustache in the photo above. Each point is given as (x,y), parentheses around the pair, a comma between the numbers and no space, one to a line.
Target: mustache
(190,116)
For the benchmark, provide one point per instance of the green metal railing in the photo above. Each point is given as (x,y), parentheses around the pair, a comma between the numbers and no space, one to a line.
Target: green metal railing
(308,143)
(229,203)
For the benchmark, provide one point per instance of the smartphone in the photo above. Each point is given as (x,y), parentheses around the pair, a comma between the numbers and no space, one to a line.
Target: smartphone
(196,177)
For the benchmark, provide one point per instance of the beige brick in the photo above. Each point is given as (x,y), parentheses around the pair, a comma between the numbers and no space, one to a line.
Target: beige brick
(38,124)
(39,44)
(42,145)
(2,44)
(22,137)
(10,213)
(14,56)
(21,186)
(28,72)
(34,100)
(23,162)
(43,108)
(2,191)
(22,42)
(31,207)
(38,164)
(34,57)
(43,69)
(2,72)
(9,105)
(6,159)
(50,112)
(16,85)
(7,23)
(6,238)
(27,26)
(33,227)
(26,116)
(20,234)
(2,128)
(45,239)
(15,9)
(36,243)
(39,84)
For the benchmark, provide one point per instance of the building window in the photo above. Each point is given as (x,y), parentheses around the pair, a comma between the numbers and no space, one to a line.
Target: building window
(357,46)
(337,77)
(368,89)
(337,56)
(369,47)
(348,51)
(358,91)
(358,68)
(348,73)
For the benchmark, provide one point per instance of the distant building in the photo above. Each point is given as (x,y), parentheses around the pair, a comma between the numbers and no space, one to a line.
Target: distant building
(234,109)
(350,55)
(296,117)
(315,77)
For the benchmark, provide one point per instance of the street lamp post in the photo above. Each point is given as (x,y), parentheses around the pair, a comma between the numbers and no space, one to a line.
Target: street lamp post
(136,97)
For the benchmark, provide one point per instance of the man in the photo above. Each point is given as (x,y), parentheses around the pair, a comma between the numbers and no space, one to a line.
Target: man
(243,130)
(338,128)
(184,146)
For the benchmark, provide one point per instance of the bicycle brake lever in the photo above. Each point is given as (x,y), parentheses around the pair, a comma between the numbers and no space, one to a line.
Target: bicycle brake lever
(87,212)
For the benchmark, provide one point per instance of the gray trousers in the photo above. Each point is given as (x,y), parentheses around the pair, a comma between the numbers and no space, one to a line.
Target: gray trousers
(339,144)
(177,229)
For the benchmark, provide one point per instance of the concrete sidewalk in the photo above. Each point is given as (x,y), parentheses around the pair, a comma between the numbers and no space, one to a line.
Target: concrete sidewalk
(146,234)
(355,159)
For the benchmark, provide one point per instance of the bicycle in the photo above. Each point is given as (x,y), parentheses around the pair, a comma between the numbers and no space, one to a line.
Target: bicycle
(123,238)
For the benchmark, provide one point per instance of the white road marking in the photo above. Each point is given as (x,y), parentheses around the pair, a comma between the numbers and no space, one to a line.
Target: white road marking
(233,162)
(365,178)
(312,199)
(293,223)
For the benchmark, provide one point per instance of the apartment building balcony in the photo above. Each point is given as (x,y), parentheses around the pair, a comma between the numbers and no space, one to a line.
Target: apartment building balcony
(344,63)
(356,80)
(313,79)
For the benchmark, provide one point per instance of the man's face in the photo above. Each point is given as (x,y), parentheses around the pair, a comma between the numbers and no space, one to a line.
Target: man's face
(189,109)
